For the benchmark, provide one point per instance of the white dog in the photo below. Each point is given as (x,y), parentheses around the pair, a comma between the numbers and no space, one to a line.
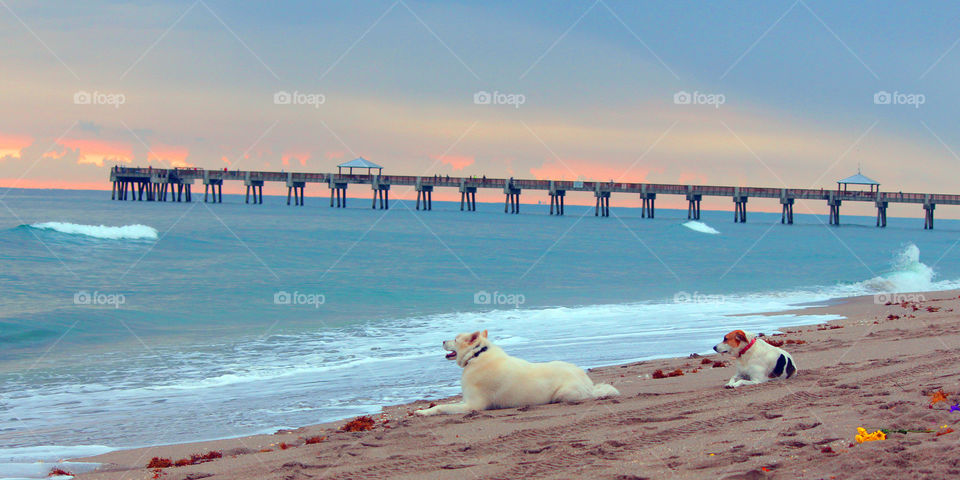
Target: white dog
(492,379)
(756,361)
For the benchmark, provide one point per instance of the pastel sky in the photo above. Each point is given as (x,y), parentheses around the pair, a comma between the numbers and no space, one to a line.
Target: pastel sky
(193,84)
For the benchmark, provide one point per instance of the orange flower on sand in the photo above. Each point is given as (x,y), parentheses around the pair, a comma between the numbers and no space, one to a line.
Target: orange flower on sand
(937,397)
(863,436)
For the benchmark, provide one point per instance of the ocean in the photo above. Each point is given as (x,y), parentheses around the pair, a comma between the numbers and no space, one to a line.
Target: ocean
(130,324)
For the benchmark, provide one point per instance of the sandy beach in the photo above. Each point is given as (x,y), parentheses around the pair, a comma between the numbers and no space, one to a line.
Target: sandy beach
(878,369)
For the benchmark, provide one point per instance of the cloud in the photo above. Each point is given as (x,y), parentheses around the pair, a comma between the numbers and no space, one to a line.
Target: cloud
(458,162)
(300,157)
(94,151)
(11,145)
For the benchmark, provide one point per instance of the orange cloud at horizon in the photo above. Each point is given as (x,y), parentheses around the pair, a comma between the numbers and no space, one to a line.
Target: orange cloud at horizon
(12,145)
(95,152)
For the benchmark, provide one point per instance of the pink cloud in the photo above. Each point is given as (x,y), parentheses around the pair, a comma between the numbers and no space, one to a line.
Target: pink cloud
(572,169)
(458,162)
(301,157)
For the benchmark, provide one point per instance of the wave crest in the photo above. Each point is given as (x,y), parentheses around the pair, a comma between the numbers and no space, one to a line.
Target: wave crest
(701,227)
(126,232)
(908,274)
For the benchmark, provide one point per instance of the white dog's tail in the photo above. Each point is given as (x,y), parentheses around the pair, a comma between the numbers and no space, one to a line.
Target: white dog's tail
(603,390)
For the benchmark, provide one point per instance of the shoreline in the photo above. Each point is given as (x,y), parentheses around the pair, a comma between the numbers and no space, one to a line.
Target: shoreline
(684,427)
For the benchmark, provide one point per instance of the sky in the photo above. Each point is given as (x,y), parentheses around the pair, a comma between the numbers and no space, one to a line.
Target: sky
(765,93)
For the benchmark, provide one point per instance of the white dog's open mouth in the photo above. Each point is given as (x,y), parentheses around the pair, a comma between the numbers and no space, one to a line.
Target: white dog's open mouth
(452,355)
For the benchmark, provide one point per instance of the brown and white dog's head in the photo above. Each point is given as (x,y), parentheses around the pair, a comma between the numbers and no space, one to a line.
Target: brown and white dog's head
(465,346)
(734,342)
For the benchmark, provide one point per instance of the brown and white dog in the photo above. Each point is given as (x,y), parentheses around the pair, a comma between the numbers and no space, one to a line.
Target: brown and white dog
(492,379)
(756,360)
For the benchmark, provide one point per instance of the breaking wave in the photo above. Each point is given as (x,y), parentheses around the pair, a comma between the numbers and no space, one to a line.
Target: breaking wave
(126,232)
(700,227)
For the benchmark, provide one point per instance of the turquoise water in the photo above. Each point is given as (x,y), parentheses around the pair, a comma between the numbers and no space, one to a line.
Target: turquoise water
(176,327)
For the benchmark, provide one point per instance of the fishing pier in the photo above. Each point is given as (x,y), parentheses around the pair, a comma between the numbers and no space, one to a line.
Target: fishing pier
(176,185)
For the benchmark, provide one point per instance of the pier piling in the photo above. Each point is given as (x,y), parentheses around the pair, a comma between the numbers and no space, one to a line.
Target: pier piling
(648,207)
(928,208)
(740,208)
(881,213)
(786,216)
(834,204)
(693,206)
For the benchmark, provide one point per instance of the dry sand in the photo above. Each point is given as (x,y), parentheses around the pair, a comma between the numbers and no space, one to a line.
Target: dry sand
(870,370)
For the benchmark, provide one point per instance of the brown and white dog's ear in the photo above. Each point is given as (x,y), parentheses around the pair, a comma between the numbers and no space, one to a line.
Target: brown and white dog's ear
(483,334)
(740,335)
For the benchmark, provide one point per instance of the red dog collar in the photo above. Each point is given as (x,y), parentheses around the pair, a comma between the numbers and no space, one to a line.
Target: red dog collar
(747,347)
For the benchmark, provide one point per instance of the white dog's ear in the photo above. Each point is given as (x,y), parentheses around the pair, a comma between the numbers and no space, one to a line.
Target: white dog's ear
(473,338)
(483,334)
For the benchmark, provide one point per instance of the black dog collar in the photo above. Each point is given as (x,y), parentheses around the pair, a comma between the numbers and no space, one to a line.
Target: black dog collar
(475,355)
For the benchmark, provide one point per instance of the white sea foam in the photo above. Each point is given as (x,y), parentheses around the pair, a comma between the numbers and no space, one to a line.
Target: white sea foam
(908,274)
(36,462)
(700,227)
(126,232)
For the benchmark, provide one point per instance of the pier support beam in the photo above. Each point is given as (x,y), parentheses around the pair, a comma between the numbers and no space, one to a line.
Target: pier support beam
(787,215)
(556,201)
(693,206)
(834,204)
(512,202)
(383,191)
(881,213)
(425,192)
(468,195)
(295,188)
(928,215)
(211,184)
(338,192)
(740,209)
(255,187)
(648,207)
(602,207)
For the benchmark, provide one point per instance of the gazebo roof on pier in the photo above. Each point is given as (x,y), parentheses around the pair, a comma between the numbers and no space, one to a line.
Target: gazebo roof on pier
(359,162)
(858,179)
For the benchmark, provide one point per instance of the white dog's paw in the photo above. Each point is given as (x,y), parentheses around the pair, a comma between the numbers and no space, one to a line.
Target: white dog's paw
(425,412)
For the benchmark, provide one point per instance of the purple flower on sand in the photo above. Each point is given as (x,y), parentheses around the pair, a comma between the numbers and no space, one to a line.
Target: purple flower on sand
(955,408)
